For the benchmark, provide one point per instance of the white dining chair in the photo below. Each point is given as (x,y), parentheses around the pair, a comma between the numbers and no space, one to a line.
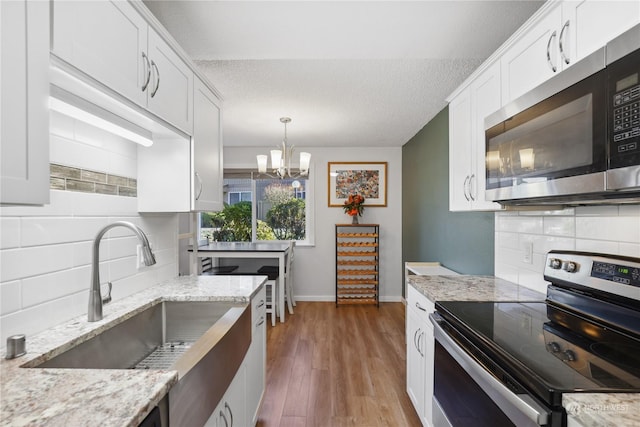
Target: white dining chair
(272,300)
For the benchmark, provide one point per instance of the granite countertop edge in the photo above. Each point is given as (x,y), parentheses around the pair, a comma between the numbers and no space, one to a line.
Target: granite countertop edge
(106,397)
(588,409)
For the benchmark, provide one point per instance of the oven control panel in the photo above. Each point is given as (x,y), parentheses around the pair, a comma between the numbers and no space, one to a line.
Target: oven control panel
(610,273)
(627,275)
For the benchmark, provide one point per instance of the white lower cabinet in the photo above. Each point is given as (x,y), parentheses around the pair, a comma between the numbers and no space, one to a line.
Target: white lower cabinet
(420,344)
(241,402)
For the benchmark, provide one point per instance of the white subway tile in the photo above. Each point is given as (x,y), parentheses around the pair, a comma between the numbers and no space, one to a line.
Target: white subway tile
(521,224)
(59,205)
(622,229)
(506,272)
(559,226)
(597,210)
(28,262)
(630,249)
(507,240)
(549,243)
(555,212)
(630,210)
(9,232)
(598,246)
(48,230)
(83,252)
(89,204)
(60,125)
(119,268)
(40,289)
(122,165)
(38,318)
(10,297)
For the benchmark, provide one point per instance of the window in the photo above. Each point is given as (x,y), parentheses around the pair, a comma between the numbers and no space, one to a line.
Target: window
(281,211)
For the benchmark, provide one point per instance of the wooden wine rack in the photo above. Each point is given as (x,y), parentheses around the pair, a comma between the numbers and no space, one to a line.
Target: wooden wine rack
(357,264)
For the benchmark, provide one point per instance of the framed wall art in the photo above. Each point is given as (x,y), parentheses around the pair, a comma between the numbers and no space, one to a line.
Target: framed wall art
(369,179)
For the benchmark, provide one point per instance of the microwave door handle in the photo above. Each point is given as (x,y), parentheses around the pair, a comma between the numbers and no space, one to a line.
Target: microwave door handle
(522,406)
(549,61)
(472,189)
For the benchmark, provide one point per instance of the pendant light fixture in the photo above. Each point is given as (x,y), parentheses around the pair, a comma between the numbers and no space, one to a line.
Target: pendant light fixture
(281,159)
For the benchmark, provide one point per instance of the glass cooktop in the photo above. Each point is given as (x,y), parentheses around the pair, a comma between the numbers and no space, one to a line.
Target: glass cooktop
(547,349)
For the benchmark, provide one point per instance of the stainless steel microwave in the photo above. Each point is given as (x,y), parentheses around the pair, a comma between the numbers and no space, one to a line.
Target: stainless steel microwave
(575,139)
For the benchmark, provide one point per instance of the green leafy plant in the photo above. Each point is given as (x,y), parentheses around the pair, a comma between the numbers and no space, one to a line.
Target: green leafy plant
(287,220)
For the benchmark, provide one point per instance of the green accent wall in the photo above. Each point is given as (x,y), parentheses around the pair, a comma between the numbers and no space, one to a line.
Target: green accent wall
(461,241)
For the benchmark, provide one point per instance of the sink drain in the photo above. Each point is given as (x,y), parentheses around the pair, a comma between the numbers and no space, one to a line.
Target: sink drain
(164,356)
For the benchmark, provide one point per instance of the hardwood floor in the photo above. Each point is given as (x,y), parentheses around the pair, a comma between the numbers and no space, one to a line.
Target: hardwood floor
(332,367)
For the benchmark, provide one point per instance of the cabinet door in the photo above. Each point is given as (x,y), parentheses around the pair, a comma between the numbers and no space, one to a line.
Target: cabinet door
(593,23)
(429,343)
(207,150)
(104,39)
(460,131)
(485,99)
(24,114)
(525,64)
(415,360)
(170,90)
(256,358)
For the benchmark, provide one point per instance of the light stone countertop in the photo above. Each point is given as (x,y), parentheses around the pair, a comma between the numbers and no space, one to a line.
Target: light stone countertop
(472,288)
(588,409)
(104,397)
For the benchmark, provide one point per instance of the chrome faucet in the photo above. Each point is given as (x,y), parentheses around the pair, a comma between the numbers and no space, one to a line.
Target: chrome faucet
(95,296)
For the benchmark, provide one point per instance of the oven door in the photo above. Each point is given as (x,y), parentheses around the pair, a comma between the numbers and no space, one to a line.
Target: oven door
(465,393)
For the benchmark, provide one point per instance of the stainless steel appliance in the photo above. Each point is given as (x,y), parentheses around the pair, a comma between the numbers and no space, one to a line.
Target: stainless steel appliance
(509,363)
(574,139)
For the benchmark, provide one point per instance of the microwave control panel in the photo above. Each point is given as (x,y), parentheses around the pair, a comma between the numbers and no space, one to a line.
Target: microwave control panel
(624,111)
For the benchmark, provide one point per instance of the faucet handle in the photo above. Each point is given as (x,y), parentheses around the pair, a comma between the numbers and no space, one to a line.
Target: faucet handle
(107,298)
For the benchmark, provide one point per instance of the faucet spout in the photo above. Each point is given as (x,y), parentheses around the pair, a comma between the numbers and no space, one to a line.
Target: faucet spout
(95,296)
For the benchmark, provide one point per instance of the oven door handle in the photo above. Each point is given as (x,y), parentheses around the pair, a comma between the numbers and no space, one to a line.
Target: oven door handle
(515,406)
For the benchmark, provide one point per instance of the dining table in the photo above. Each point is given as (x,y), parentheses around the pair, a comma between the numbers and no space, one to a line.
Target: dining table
(275,249)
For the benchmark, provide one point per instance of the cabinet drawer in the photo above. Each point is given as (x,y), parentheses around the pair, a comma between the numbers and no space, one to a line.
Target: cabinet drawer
(420,304)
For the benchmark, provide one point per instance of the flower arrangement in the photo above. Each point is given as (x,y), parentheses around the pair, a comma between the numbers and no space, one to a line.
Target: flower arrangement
(354,206)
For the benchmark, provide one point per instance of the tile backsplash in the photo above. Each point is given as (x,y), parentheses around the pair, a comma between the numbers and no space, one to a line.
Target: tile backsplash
(604,229)
(46,251)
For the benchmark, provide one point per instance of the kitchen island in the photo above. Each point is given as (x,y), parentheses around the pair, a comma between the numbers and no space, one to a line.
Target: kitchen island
(105,397)
(583,409)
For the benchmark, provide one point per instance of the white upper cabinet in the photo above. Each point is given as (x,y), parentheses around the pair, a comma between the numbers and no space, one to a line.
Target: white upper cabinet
(170,88)
(24,113)
(564,33)
(112,43)
(206,150)
(104,39)
(535,56)
(595,22)
(467,167)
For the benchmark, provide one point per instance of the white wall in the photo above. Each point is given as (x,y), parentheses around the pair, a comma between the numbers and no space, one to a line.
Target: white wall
(314,273)
(45,251)
(604,229)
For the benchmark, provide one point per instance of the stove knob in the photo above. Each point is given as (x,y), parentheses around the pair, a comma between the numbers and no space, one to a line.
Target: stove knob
(570,356)
(570,267)
(555,263)
(554,347)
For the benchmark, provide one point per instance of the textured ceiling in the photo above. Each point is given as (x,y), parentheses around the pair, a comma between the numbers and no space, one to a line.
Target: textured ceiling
(356,73)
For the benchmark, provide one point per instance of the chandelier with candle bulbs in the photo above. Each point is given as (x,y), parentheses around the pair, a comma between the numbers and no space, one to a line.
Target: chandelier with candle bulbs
(281,159)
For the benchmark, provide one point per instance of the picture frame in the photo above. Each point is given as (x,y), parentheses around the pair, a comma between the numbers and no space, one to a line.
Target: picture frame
(369,179)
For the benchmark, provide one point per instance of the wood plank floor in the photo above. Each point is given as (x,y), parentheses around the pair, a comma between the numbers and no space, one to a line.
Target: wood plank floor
(333,367)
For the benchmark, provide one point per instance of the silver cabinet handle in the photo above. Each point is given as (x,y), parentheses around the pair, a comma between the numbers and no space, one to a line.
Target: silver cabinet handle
(261,321)
(471,191)
(549,61)
(464,188)
(260,304)
(224,418)
(565,58)
(157,73)
(155,67)
(420,337)
(226,406)
(419,307)
(148,68)
(201,186)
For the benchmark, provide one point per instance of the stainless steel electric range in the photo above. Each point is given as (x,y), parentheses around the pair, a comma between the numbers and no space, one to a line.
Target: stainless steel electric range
(508,363)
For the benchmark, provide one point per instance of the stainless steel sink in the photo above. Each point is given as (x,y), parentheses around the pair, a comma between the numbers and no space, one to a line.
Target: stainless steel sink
(204,341)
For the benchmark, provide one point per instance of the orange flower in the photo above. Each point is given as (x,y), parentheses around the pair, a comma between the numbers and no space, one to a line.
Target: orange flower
(354,205)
